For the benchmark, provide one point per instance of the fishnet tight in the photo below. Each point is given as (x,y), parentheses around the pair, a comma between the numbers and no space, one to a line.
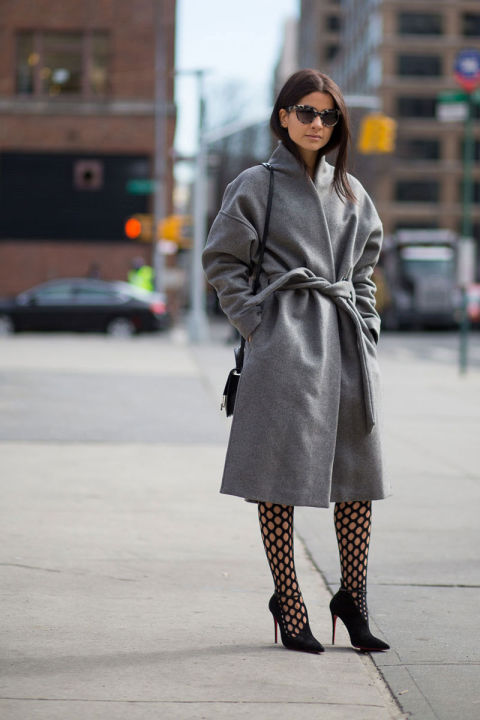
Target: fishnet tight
(353,521)
(276,525)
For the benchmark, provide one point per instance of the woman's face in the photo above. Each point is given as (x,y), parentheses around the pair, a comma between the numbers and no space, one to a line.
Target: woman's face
(312,137)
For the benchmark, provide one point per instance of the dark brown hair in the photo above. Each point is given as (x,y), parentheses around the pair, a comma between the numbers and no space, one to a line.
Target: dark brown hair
(297,86)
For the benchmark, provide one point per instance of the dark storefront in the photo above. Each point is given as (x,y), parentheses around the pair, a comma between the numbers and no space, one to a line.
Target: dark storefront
(58,196)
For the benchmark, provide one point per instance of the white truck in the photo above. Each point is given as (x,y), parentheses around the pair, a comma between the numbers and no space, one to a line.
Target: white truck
(419,268)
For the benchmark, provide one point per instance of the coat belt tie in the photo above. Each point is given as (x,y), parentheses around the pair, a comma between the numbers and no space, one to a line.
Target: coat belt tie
(342,294)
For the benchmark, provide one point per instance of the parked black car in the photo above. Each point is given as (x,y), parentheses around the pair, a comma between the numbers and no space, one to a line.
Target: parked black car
(79,304)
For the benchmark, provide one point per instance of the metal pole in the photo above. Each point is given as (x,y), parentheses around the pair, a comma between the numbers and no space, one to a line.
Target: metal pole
(197,321)
(466,226)
(159,171)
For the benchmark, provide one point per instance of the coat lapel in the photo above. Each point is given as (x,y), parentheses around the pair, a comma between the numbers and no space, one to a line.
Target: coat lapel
(284,162)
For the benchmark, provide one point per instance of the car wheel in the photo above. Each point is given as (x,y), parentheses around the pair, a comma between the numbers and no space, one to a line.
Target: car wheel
(6,325)
(121,327)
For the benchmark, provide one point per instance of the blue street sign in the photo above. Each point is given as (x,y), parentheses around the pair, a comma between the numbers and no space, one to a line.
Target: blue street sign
(467,69)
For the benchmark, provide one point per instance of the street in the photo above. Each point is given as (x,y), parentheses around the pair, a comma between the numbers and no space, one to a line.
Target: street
(132,589)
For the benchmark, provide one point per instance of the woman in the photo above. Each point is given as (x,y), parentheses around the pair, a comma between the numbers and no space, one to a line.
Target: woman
(305,429)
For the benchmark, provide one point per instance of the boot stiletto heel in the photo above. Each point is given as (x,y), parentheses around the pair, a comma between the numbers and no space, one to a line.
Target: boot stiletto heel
(334,623)
(343,606)
(303,640)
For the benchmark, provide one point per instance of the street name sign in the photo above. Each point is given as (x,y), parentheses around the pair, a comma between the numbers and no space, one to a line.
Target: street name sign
(140,186)
(452,106)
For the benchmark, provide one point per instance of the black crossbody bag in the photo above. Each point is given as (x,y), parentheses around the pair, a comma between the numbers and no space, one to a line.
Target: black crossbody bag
(230,390)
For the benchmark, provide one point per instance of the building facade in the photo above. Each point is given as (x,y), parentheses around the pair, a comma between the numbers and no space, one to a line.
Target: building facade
(404,53)
(77,125)
(319,33)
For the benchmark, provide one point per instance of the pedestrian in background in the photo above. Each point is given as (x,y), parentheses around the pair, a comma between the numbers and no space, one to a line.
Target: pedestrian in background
(305,427)
(141,275)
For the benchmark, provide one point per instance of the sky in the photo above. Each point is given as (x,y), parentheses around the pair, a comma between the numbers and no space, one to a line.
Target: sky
(238,43)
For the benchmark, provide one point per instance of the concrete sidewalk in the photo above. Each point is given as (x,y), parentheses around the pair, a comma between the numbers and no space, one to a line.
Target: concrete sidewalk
(130,587)
(424,569)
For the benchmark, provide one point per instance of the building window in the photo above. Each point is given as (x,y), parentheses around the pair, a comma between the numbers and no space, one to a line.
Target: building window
(52,64)
(476,150)
(412,23)
(475,193)
(26,60)
(418,149)
(333,23)
(417,191)
(415,65)
(471,24)
(419,107)
(331,51)
(414,224)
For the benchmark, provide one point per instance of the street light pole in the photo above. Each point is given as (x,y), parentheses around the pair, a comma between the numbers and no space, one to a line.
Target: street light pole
(466,239)
(197,319)
(159,170)
(467,74)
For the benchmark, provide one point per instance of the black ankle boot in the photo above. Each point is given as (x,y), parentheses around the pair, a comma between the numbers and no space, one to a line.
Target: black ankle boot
(304,640)
(343,606)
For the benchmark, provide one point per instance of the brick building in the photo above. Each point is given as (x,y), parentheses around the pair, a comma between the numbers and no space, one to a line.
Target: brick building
(403,53)
(77,90)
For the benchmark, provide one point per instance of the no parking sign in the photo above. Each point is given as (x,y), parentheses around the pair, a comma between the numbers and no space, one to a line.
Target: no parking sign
(467,69)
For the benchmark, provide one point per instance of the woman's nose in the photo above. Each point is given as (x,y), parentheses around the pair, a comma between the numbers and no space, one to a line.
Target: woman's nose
(317,121)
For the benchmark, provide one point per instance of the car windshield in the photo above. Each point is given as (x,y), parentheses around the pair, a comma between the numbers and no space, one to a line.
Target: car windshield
(428,261)
(428,268)
(51,294)
(137,292)
(87,291)
(97,294)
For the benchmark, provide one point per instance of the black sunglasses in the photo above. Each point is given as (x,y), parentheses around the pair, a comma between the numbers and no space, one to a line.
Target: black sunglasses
(306,115)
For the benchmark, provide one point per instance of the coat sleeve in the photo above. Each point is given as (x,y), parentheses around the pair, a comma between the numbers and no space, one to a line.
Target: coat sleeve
(362,272)
(228,260)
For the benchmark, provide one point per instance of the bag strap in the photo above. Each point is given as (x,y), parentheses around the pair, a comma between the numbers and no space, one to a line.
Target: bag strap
(239,354)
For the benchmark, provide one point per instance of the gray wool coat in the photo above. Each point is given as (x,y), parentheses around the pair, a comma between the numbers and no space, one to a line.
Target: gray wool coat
(305,429)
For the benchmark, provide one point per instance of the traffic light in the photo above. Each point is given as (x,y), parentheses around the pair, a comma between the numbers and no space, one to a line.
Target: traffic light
(176,228)
(139,227)
(387,132)
(377,134)
(366,137)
